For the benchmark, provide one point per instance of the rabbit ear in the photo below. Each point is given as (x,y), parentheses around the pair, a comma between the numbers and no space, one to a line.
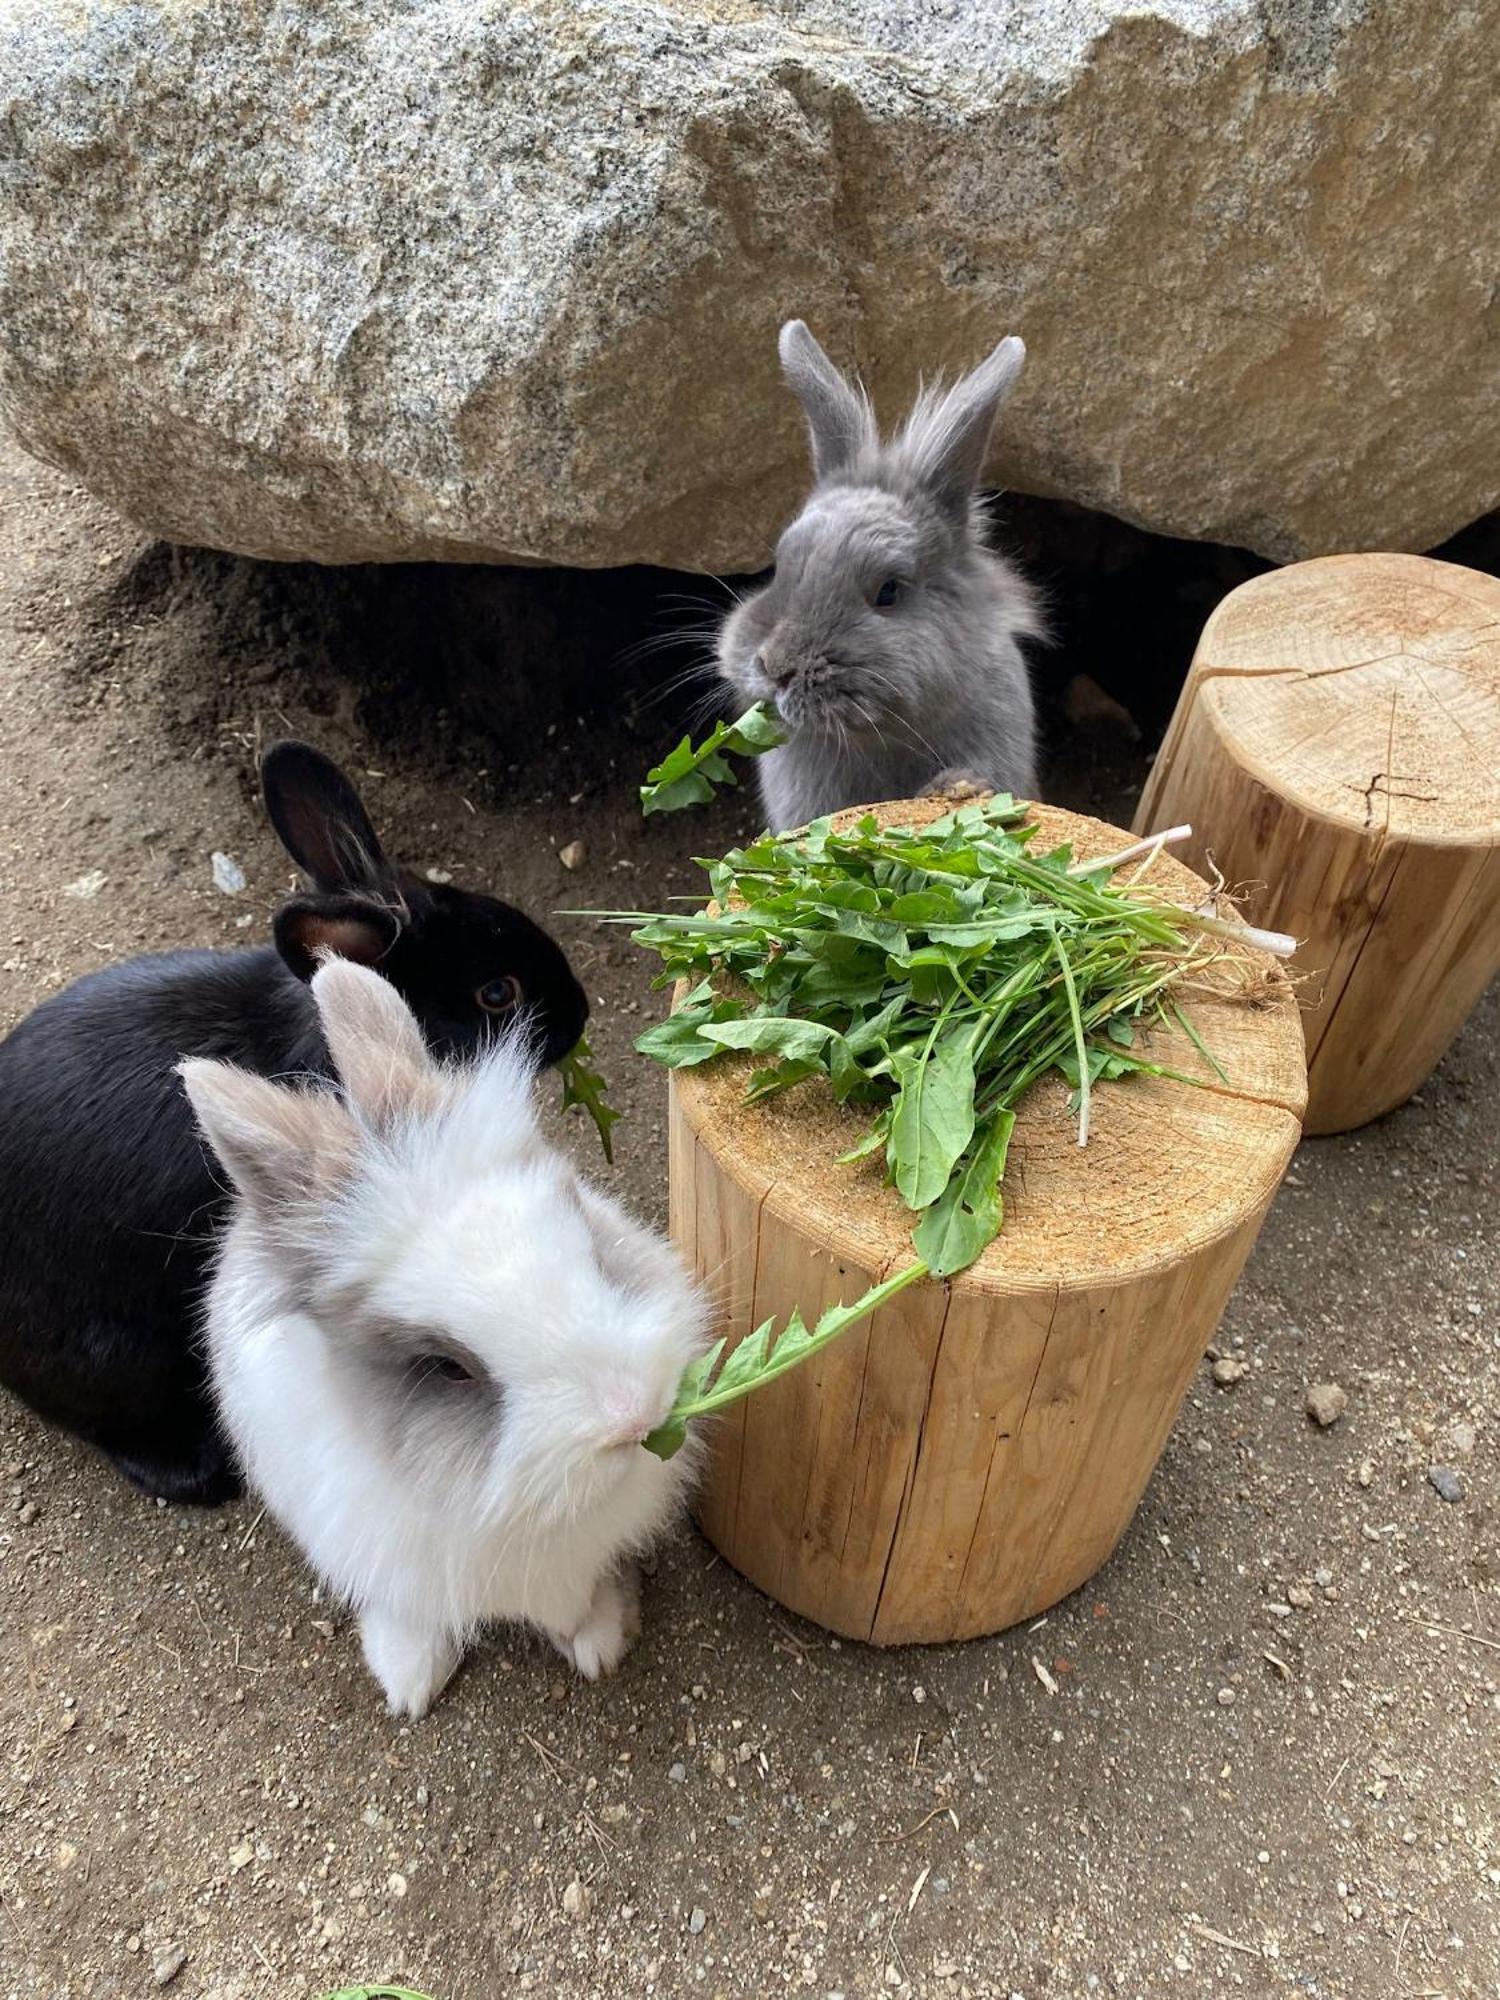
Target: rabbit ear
(278,1146)
(376,1045)
(946,439)
(321,822)
(309,929)
(840,422)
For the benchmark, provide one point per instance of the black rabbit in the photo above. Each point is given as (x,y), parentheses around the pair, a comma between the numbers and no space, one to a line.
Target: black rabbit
(110,1203)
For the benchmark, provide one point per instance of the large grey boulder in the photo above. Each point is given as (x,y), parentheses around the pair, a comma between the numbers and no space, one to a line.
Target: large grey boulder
(465,279)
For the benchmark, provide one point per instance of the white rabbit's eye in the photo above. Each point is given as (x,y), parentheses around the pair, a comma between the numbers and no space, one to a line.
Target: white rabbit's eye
(498,996)
(889,593)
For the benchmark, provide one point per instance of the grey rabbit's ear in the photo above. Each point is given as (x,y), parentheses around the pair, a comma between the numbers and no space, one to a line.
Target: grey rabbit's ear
(948,434)
(840,422)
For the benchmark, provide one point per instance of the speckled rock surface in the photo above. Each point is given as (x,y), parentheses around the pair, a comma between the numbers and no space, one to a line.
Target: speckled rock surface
(468,279)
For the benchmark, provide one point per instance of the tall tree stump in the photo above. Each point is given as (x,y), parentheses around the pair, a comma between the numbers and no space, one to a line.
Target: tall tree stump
(1337,751)
(975,1451)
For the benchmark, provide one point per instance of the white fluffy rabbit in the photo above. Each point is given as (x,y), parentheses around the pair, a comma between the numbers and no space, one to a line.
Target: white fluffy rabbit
(436,1349)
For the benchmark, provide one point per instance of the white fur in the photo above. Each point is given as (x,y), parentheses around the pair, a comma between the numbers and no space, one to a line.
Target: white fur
(433,1507)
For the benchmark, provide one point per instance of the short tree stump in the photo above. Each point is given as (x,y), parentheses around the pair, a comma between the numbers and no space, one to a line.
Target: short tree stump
(974,1452)
(1337,751)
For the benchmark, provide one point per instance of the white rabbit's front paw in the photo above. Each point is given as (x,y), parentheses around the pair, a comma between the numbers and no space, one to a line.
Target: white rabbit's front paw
(610,1627)
(412,1663)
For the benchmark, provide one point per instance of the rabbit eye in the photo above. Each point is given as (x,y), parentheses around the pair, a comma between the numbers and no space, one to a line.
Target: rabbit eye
(498,996)
(889,593)
(441,1368)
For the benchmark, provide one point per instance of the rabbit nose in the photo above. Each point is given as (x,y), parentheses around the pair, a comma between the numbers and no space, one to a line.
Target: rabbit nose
(777,673)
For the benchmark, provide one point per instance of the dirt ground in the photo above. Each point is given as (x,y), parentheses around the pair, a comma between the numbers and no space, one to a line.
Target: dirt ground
(1272,1760)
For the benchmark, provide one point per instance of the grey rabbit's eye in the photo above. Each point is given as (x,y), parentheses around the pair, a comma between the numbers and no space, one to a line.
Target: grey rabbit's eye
(441,1368)
(889,593)
(498,996)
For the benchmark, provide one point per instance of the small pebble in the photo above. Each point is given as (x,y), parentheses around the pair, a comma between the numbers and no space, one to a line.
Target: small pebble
(1460,1439)
(396,1884)
(677,1775)
(1227,1697)
(1326,1403)
(697,1920)
(27,1514)
(573,855)
(1366,1472)
(1445,1482)
(1228,1370)
(167,1964)
(1300,1596)
(575,1900)
(229,877)
(87,886)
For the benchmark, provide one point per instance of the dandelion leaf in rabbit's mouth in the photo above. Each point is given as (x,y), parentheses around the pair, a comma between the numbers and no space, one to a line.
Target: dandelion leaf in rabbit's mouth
(688,775)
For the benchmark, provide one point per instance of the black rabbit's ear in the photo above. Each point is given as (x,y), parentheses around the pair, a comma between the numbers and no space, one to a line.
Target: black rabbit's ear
(840,422)
(308,927)
(321,822)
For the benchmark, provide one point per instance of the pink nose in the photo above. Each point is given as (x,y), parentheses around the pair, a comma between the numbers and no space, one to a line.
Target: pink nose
(626,1413)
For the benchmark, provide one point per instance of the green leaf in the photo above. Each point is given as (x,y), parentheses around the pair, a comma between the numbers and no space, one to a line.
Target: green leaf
(770,1034)
(756,1361)
(374,1993)
(583,1090)
(679,1040)
(1075,1014)
(687,775)
(777,1077)
(966,1217)
(934,1117)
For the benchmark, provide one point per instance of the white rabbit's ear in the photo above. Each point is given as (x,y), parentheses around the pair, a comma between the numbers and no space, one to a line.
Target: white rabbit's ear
(945,442)
(376,1045)
(278,1146)
(840,422)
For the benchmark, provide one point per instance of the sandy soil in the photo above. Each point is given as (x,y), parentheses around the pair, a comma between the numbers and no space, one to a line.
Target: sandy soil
(1271,1762)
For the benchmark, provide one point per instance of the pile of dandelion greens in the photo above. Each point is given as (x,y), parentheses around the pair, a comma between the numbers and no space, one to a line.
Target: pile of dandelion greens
(927,976)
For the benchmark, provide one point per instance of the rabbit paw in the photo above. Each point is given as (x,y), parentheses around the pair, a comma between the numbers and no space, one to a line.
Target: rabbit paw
(957,783)
(610,1628)
(412,1663)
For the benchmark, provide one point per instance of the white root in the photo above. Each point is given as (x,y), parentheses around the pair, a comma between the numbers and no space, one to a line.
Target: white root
(1150,848)
(1276,942)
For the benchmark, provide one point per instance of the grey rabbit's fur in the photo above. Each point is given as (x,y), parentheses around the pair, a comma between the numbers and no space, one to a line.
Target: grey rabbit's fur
(888,699)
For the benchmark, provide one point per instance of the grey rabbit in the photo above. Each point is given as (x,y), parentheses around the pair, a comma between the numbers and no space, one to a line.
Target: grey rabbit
(888,636)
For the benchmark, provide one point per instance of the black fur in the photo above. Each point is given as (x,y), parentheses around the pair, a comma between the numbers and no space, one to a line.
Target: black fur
(111,1203)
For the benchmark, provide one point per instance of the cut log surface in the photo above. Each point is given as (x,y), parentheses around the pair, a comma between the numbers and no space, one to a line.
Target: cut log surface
(1337,752)
(975,1451)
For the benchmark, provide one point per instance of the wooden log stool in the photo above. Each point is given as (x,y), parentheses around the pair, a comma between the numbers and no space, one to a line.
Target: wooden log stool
(1337,751)
(975,1451)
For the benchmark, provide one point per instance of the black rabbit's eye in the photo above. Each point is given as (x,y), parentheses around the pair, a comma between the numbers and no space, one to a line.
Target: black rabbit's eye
(498,996)
(889,592)
(441,1368)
